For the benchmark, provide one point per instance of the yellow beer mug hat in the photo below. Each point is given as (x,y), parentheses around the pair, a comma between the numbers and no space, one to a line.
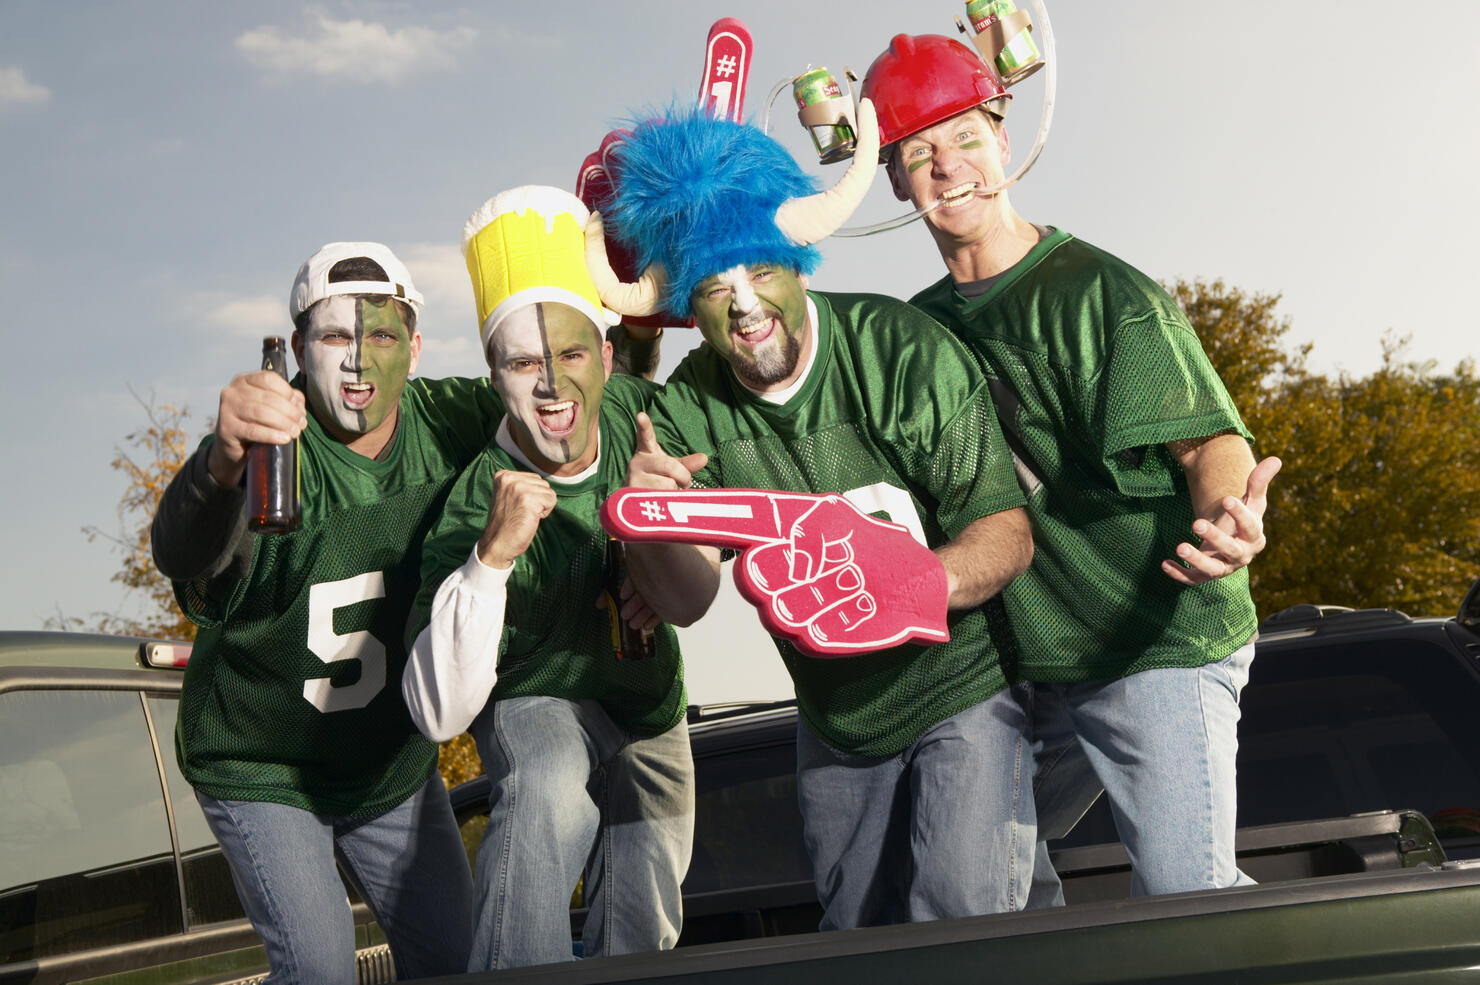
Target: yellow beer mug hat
(527,245)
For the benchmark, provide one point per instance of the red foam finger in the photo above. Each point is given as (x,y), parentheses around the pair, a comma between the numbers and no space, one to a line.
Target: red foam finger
(802,604)
(893,591)
(768,568)
(735,518)
(823,574)
(841,624)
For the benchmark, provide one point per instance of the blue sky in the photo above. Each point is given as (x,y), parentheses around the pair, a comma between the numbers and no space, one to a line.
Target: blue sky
(166,167)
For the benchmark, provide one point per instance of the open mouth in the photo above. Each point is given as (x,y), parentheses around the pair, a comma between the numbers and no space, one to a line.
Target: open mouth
(754,329)
(558,419)
(955,197)
(357,396)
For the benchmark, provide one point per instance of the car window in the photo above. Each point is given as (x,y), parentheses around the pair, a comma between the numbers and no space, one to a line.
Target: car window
(1329,730)
(747,827)
(1377,725)
(210,895)
(85,853)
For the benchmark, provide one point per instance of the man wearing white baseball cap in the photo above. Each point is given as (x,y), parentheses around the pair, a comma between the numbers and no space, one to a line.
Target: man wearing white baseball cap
(292,729)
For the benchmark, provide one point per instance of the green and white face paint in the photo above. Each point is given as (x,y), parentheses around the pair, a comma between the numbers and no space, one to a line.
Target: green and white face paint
(756,317)
(356,355)
(549,364)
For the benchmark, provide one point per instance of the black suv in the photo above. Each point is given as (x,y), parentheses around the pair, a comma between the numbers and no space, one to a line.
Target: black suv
(106,863)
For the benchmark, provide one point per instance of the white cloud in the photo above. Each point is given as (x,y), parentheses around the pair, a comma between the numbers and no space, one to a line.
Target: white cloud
(449,331)
(444,355)
(17,90)
(440,274)
(253,316)
(352,50)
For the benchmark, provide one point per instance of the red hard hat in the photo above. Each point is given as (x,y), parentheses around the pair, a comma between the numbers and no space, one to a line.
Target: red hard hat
(924,79)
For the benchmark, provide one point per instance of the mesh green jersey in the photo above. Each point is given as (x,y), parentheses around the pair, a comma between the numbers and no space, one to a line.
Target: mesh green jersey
(895,416)
(1095,368)
(555,641)
(292,693)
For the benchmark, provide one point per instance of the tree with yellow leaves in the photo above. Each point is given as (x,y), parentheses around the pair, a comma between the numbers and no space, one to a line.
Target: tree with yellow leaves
(149,458)
(1378,503)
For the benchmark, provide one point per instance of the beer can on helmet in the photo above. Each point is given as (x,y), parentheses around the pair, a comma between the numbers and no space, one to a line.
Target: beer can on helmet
(1018,57)
(921,80)
(834,140)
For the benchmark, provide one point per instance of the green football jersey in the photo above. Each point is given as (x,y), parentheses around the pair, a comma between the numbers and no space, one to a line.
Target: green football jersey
(292,693)
(894,415)
(555,641)
(1094,369)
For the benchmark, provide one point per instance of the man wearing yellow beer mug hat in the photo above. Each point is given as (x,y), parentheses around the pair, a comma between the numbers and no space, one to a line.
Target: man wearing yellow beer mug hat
(578,713)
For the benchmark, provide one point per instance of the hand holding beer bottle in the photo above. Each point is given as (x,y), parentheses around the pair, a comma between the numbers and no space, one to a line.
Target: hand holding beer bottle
(629,642)
(256,408)
(272,469)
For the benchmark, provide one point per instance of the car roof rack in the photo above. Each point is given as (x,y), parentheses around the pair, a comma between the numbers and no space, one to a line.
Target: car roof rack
(1307,620)
(733,709)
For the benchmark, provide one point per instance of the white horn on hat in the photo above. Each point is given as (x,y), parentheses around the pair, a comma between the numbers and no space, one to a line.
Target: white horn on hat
(816,217)
(642,298)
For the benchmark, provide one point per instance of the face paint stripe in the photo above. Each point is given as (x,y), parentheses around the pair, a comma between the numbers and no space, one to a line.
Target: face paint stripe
(539,315)
(352,340)
(357,350)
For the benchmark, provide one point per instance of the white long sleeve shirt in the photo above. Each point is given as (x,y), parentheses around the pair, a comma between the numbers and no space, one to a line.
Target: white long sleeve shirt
(453,664)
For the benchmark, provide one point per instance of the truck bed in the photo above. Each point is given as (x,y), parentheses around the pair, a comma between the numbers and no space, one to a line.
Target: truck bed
(1406,925)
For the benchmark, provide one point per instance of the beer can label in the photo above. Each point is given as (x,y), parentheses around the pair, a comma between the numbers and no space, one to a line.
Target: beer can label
(981,13)
(1020,51)
(813,87)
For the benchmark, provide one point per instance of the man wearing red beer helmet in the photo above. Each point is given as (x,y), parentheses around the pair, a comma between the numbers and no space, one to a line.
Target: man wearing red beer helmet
(1139,637)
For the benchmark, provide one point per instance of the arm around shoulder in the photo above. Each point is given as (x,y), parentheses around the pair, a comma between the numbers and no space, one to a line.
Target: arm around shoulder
(983,558)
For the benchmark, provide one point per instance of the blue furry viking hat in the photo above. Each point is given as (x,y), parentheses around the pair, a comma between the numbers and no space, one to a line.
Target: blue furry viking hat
(697,195)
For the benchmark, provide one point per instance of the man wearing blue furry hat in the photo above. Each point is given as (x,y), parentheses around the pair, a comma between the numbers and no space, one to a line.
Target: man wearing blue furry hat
(913,767)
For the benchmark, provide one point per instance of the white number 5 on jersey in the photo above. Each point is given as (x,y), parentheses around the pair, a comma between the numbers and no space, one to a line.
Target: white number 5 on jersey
(331,648)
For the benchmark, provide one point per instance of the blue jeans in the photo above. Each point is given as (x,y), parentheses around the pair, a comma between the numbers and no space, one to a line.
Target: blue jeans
(573,794)
(408,864)
(1162,744)
(945,828)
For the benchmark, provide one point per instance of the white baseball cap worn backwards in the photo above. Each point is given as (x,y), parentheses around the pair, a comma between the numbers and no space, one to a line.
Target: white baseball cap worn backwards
(312,283)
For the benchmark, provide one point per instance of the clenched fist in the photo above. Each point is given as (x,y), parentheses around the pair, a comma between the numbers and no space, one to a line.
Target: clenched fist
(519,502)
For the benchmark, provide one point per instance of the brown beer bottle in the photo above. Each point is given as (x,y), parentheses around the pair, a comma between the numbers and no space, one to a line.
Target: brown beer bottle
(272,470)
(629,642)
